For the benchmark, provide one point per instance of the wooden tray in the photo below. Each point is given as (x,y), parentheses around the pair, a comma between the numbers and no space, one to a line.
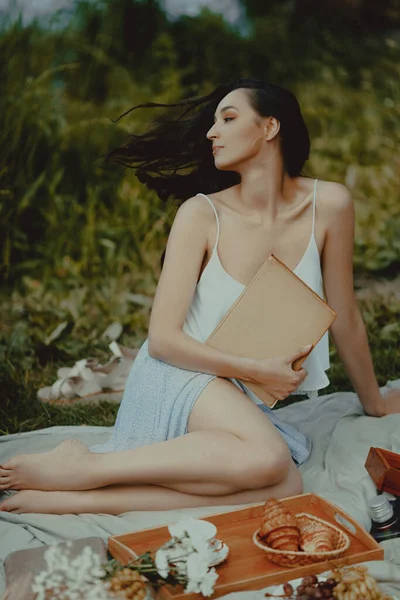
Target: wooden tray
(247,567)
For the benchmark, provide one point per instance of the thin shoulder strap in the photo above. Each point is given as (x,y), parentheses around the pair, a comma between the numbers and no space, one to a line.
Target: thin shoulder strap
(314,201)
(216,216)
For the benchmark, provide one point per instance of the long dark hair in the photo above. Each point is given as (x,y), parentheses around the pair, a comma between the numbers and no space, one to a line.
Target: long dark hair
(174,157)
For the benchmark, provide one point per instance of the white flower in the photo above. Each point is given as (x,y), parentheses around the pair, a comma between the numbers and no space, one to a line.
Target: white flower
(207,585)
(71,580)
(162,563)
(192,587)
(79,579)
(197,567)
(98,572)
(182,527)
(200,545)
(187,544)
(181,568)
(190,553)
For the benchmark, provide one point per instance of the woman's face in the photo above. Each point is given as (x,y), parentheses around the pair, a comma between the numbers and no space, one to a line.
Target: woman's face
(235,131)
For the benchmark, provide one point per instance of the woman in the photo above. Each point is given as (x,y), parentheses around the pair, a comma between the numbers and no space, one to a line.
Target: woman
(186,435)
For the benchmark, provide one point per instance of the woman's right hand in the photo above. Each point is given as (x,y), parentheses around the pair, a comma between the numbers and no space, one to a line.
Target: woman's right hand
(277,376)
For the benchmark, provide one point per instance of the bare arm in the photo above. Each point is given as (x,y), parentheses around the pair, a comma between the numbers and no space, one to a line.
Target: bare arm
(348,331)
(186,247)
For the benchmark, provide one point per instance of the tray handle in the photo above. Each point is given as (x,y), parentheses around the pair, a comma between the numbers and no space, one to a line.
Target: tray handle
(335,512)
(345,523)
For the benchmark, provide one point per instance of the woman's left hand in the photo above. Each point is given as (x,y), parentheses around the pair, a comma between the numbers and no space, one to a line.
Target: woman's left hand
(391,400)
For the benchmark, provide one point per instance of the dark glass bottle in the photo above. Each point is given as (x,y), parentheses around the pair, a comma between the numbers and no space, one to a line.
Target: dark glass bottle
(385,515)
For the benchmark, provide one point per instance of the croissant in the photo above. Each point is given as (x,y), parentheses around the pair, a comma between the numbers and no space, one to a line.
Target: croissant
(314,536)
(283,538)
(279,527)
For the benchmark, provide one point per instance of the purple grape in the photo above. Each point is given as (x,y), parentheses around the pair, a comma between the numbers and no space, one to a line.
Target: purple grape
(310,591)
(287,589)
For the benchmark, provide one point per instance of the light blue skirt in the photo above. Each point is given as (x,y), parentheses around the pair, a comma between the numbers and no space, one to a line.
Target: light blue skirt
(157,403)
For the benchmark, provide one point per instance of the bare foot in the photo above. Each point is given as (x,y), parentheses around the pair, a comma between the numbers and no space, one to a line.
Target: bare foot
(70,466)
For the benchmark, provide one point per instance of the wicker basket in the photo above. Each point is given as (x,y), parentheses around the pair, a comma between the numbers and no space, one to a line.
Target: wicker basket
(340,542)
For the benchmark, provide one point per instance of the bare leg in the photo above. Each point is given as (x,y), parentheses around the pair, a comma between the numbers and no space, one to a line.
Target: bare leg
(86,470)
(230,443)
(118,499)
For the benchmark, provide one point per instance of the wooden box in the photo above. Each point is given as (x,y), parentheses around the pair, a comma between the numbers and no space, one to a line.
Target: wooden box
(384,468)
(247,567)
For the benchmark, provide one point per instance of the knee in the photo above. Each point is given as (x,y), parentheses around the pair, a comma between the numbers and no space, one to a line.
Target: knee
(259,469)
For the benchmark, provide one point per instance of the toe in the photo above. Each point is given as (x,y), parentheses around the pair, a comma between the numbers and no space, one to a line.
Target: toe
(5,485)
(4,471)
(10,464)
(10,504)
(4,505)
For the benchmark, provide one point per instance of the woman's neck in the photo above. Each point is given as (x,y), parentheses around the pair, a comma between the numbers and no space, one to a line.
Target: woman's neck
(266,192)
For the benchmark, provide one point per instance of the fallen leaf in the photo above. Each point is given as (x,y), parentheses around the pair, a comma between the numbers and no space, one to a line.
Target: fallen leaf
(56,333)
(113,331)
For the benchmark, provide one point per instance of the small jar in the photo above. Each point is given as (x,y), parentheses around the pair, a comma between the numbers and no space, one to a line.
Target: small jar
(381,512)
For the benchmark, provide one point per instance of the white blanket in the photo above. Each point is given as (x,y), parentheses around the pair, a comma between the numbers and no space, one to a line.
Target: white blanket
(341,434)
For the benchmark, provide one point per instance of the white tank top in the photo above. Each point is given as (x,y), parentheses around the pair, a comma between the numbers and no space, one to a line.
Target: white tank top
(216,291)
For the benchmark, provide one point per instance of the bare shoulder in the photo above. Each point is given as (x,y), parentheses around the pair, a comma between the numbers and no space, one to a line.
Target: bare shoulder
(194,214)
(335,198)
(194,207)
(194,220)
(195,210)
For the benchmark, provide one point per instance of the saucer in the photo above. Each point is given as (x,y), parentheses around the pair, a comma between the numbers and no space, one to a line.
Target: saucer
(220,554)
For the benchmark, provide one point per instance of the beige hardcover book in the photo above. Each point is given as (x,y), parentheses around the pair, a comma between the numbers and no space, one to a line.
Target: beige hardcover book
(275,315)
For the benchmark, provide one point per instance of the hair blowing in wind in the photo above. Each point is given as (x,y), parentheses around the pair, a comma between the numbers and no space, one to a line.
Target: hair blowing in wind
(174,157)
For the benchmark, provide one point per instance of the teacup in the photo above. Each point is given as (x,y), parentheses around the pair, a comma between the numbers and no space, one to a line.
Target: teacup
(196,527)
(203,531)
